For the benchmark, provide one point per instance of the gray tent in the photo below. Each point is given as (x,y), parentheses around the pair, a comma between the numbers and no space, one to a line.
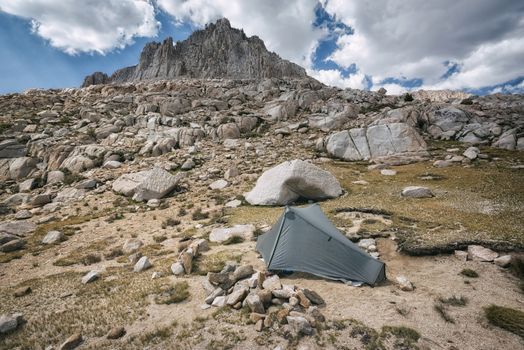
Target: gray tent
(304,239)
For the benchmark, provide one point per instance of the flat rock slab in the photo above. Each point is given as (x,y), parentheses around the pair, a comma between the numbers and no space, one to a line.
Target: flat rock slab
(17,228)
(417,192)
(146,185)
(375,142)
(222,234)
(53,237)
(479,253)
(91,276)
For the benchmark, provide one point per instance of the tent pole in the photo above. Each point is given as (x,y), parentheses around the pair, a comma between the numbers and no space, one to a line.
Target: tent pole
(278,238)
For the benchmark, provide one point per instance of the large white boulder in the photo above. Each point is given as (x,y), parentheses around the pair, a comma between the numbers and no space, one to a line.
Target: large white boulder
(375,142)
(292,180)
(146,185)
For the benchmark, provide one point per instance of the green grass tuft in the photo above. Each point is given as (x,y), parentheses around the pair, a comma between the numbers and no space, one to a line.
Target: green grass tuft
(469,273)
(509,319)
(173,294)
(454,301)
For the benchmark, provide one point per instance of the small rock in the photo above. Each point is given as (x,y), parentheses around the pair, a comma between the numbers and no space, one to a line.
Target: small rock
(219,184)
(417,192)
(221,234)
(404,284)
(293,301)
(314,312)
(471,153)
(281,293)
(360,182)
(233,204)
(87,184)
(242,272)
(53,237)
(259,326)
(177,269)
(272,283)
(142,264)
(300,325)
(503,261)
(255,317)
(188,164)
(116,332)
(112,164)
(388,172)
(303,300)
(156,275)
(313,296)
(72,342)
(254,303)
(11,246)
(20,292)
(461,255)
(10,323)
(365,243)
(441,164)
(216,293)
(90,277)
(282,314)
(236,296)
(55,176)
(219,301)
(479,253)
(23,214)
(153,203)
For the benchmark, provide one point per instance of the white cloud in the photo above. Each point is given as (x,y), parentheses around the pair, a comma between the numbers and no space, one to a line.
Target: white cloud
(334,77)
(413,38)
(87,26)
(285,26)
(392,89)
(490,64)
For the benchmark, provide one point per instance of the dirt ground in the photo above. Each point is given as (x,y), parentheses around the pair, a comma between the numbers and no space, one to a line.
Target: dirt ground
(60,305)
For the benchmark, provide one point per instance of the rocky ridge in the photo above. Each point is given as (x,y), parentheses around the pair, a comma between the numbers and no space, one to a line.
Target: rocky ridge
(218,51)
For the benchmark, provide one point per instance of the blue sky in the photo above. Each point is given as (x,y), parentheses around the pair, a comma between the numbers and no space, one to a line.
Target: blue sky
(471,45)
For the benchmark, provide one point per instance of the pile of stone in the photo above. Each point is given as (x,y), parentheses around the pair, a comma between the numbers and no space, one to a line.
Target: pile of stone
(273,305)
(188,251)
(370,246)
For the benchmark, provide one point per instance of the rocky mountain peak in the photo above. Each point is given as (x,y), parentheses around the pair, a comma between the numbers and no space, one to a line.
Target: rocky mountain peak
(217,51)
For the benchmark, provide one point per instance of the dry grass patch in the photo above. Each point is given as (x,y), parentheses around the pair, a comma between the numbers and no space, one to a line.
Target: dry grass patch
(173,294)
(509,319)
(71,306)
(213,262)
(469,273)
(482,203)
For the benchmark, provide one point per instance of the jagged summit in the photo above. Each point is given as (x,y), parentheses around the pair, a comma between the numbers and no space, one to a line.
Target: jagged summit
(217,51)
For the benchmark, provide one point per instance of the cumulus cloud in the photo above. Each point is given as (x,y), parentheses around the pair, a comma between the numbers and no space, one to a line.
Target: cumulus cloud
(415,39)
(334,77)
(87,26)
(285,26)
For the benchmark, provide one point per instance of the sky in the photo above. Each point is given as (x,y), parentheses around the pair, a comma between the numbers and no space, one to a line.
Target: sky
(471,45)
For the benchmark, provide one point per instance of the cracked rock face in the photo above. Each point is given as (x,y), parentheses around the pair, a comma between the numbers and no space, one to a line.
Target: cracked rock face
(375,141)
(218,51)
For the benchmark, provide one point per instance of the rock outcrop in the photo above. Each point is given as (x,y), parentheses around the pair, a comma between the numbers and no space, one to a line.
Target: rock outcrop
(375,142)
(293,180)
(218,51)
